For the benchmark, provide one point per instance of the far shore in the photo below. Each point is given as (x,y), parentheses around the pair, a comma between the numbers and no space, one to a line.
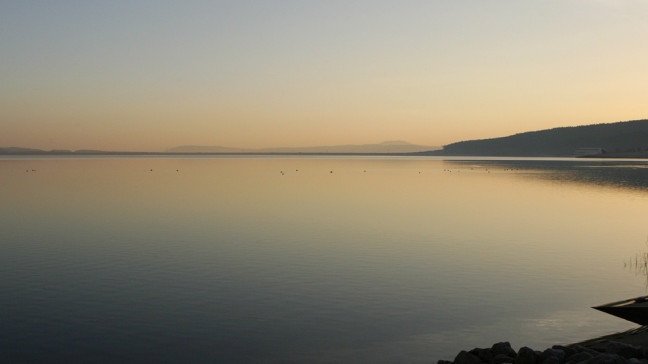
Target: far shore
(83,153)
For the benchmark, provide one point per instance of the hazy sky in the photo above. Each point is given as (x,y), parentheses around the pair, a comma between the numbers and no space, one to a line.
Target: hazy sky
(153,74)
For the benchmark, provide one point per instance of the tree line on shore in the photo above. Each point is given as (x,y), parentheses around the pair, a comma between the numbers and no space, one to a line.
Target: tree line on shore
(620,139)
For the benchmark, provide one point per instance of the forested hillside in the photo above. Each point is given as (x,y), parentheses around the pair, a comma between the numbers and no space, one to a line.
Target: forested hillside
(628,138)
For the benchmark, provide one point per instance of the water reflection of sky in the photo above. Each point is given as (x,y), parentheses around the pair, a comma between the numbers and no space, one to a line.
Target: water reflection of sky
(616,174)
(304,258)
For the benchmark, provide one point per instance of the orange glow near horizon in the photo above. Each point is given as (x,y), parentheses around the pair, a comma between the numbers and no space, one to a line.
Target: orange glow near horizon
(312,75)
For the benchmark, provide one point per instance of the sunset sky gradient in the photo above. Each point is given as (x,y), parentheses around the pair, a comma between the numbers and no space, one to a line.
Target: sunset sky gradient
(152,74)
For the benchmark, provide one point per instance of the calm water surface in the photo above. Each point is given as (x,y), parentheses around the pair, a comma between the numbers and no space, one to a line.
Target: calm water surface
(311,259)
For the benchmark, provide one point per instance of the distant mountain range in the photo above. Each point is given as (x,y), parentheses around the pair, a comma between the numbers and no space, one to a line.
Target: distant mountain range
(384,147)
(627,139)
(32,151)
(389,147)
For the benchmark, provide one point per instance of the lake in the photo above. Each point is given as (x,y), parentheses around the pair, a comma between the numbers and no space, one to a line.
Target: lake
(312,259)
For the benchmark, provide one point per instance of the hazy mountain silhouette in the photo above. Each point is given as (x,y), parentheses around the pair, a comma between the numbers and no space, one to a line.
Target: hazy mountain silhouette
(205,149)
(620,139)
(389,147)
(384,147)
(18,150)
(33,151)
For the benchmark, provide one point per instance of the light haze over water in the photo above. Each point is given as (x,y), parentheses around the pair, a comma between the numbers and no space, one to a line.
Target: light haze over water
(311,259)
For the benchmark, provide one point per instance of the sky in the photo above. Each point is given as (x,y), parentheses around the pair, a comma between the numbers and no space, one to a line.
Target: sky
(147,75)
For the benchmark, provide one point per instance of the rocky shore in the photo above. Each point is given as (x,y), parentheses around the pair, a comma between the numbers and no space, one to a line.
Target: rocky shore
(630,347)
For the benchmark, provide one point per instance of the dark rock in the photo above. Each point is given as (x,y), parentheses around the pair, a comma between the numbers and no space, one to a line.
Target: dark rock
(607,359)
(597,347)
(503,359)
(625,350)
(485,355)
(580,357)
(465,357)
(503,348)
(569,351)
(592,352)
(580,349)
(552,353)
(526,355)
(550,360)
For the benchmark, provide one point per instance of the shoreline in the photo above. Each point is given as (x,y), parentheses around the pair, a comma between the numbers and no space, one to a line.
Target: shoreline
(625,347)
(637,336)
